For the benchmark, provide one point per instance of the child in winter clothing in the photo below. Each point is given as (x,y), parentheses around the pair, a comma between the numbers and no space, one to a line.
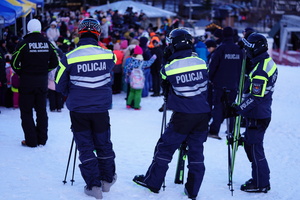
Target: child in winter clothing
(136,61)
(56,99)
(117,70)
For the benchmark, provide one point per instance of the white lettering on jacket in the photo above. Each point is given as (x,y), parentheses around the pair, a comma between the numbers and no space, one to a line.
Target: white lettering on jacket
(38,45)
(89,67)
(232,56)
(246,103)
(189,77)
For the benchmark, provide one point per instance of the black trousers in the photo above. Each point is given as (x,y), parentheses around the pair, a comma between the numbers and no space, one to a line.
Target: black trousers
(36,133)
(56,100)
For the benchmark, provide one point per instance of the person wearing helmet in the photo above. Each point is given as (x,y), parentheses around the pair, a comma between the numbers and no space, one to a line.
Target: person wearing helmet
(224,75)
(185,79)
(256,108)
(34,57)
(82,73)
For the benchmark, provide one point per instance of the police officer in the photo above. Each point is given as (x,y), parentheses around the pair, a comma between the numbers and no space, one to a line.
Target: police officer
(187,97)
(34,57)
(224,72)
(256,108)
(84,76)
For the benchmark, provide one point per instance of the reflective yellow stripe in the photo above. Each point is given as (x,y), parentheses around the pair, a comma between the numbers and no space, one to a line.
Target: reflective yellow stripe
(14,89)
(17,52)
(263,87)
(185,69)
(60,72)
(89,58)
(260,78)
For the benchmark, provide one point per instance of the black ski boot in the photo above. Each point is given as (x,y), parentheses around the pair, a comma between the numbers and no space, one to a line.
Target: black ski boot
(189,196)
(139,179)
(250,186)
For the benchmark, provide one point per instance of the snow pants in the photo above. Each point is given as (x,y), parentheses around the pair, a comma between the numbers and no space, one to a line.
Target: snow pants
(253,144)
(29,98)
(56,100)
(134,98)
(218,112)
(92,136)
(191,128)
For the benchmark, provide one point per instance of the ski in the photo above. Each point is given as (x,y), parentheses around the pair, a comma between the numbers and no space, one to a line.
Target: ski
(182,154)
(234,139)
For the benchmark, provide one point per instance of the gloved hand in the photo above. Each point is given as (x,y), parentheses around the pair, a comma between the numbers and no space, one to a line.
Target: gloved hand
(232,111)
(165,84)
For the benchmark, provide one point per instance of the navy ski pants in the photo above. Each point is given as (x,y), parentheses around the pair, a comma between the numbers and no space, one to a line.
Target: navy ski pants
(191,128)
(253,144)
(218,112)
(92,132)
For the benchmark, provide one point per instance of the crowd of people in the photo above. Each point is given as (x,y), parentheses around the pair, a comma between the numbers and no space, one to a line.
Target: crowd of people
(73,55)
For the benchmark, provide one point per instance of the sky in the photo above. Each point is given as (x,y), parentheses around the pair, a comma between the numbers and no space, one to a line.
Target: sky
(37,173)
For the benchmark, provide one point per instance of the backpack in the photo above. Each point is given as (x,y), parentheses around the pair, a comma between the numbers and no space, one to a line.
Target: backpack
(137,78)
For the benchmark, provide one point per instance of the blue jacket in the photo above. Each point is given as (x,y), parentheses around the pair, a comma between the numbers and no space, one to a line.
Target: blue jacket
(201,50)
(188,77)
(84,76)
(225,65)
(259,88)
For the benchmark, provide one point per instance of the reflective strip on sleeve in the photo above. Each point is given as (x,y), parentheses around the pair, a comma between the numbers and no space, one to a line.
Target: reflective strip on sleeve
(60,72)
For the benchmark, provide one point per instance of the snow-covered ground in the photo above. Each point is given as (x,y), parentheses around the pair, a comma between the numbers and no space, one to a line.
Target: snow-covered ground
(37,173)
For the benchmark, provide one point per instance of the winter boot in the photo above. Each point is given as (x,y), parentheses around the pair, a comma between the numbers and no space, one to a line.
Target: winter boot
(106,185)
(189,196)
(139,179)
(94,192)
(214,136)
(250,186)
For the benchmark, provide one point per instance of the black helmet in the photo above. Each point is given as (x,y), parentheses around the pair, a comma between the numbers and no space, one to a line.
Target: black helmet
(89,25)
(180,39)
(255,44)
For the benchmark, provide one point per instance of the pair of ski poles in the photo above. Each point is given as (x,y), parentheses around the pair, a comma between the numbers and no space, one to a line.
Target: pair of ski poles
(68,164)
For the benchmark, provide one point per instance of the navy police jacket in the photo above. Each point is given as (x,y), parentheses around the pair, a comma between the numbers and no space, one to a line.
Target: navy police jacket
(259,88)
(225,65)
(84,76)
(188,78)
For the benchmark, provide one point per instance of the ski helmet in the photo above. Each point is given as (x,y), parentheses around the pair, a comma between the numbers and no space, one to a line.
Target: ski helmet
(255,45)
(180,39)
(90,25)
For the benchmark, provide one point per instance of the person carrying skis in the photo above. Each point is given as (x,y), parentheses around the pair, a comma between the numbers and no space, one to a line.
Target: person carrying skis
(186,77)
(84,76)
(256,108)
(224,72)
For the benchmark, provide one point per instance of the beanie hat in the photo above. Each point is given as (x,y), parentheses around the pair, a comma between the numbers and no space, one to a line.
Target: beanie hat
(218,33)
(34,25)
(53,23)
(210,43)
(116,46)
(124,44)
(143,41)
(228,32)
(137,50)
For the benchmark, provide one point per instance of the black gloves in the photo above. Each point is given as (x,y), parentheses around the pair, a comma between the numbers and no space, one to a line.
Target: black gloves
(231,111)
(165,84)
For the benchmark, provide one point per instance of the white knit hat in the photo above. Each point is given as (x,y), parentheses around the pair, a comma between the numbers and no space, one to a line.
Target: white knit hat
(34,25)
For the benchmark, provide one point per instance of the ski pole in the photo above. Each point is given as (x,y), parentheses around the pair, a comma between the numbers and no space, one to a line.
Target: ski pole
(72,180)
(71,148)
(163,126)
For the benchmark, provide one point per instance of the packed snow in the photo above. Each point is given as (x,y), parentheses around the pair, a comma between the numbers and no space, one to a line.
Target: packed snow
(37,173)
